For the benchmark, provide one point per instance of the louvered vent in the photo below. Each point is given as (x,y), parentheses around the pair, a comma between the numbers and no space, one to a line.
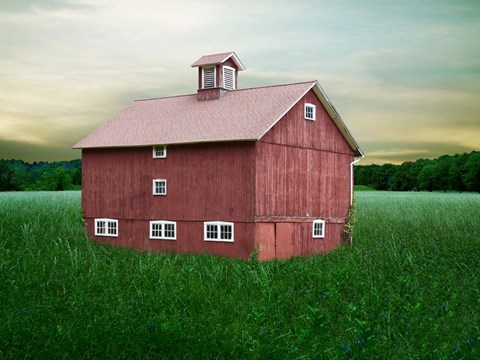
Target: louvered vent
(228,78)
(208,78)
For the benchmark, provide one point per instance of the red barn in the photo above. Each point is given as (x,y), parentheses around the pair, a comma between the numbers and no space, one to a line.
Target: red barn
(226,171)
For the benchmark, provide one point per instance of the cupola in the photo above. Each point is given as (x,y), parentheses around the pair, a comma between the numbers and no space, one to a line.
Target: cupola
(217,74)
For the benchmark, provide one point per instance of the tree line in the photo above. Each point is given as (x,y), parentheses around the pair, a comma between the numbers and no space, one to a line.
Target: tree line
(457,172)
(18,175)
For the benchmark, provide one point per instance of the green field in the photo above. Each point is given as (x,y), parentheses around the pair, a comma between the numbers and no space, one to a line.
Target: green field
(408,288)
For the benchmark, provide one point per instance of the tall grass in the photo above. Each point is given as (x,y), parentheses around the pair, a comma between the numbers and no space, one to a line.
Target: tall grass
(408,288)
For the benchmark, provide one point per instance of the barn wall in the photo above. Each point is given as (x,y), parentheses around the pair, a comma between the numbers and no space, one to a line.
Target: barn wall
(303,166)
(275,243)
(305,244)
(302,174)
(293,182)
(205,182)
(135,234)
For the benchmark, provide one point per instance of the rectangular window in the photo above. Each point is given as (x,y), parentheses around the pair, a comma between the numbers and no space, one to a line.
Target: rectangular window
(160,151)
(106,227)
(218,231)
(159,187)
(318,230)
(228,78)
(166,230)
(208,77)
(309,111)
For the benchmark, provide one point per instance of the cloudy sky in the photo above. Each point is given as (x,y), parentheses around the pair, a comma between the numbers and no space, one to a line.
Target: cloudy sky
(404,75)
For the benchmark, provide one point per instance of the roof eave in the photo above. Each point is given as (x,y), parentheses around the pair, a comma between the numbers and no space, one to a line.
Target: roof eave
(322,96)
(77,146)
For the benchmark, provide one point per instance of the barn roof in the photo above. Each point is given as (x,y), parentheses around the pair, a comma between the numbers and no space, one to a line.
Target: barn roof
(216,59)
(244,114)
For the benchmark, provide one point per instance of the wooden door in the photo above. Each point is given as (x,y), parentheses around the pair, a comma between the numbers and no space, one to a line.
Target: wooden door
(266,240)
(284,240)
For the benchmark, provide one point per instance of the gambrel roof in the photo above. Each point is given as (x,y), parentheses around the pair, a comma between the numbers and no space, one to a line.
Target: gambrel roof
(239,115)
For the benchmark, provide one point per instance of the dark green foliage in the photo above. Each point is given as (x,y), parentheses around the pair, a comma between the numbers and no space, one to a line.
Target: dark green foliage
(471,178)
(18,175)
(409,288)
(458,173)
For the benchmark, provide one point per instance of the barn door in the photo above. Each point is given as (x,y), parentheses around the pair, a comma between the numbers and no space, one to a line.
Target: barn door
(284,240)
(266,240)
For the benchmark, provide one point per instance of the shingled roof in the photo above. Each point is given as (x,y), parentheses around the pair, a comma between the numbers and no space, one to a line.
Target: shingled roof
(245,114)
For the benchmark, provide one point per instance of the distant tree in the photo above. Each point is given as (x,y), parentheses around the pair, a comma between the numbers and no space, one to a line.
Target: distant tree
(6,175)
(21,174)
(60,175)
(427,179)
(56,179)
(471,178)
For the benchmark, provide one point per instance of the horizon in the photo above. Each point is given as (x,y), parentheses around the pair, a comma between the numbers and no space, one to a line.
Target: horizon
(405,77)
(356,164)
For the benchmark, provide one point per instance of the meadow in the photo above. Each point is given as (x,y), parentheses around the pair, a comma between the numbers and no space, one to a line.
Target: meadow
(409,287)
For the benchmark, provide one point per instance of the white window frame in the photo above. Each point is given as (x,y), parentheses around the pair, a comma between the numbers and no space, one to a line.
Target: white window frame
(314,110)
(154,187)
(106,222)
(234,85)
(218,224)
(322,232)
(162,148)
(214,76)
(162,223)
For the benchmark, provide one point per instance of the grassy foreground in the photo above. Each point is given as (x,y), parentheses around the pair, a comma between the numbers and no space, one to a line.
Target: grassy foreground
(408,288)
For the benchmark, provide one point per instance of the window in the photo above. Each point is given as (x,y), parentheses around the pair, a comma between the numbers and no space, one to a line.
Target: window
(160,151)
(166,230)
(228,78)
(106,227)
(159,187)
(218,231)
(208,77)
(309,111)
(318,230)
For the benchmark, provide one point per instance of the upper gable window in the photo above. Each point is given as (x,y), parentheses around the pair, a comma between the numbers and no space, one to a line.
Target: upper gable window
(228,78)
(159,151)
(309,111)
(318,229)
(208,79)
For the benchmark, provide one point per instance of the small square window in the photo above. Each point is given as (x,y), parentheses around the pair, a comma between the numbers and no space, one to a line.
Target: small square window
(159,187)
(106,227)
(218,231)
(159,151)
(318,229)
(309,111)
(166,230)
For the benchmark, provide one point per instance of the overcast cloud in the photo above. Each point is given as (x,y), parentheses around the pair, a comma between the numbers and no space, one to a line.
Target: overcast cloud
(404,75)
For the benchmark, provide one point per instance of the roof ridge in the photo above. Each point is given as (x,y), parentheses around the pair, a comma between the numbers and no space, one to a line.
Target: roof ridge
(249,88)
(275,85)
(163,97)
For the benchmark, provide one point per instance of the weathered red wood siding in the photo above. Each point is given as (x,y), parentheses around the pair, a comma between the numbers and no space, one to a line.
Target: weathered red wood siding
(135,234)
(303,174)
(205,182)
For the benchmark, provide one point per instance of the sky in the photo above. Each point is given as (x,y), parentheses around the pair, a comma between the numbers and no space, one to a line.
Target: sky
(404,75)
